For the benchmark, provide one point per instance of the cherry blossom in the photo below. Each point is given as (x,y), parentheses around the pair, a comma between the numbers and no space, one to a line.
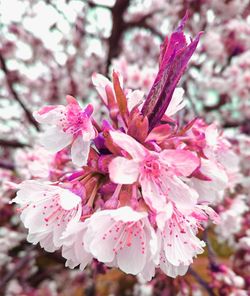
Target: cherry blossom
(73,245)
(69,125)
(45,211)
(132,180)
(121,237)
(158,173)
(179,243)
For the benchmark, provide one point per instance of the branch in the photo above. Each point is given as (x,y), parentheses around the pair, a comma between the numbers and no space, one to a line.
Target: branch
(7,165)
(92,4)
(14,93)
(151,29)
(118,28)
(210,250)
(142,23)
(202,282)
(12,144)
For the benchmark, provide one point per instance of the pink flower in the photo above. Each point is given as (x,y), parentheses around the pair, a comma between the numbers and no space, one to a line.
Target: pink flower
(46,211)
(178,242)
(220,150)
(210,191)
(122,238)
(158,173)
(73,245)
(69,125)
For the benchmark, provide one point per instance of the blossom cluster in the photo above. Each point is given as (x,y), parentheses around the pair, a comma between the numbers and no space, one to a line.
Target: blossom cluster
(141,183)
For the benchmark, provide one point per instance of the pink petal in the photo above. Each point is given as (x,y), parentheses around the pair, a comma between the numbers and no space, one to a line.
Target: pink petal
(215,172)
(152,194)
(181,161)
(50,114)
(127,143)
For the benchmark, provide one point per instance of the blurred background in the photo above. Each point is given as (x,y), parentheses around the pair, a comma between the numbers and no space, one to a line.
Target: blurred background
(49,49)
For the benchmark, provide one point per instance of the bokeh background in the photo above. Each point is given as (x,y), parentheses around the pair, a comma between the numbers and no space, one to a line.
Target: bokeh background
(49,49)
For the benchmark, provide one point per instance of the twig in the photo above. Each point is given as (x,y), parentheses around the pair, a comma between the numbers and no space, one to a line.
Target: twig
(151,29)
(15,94)
(202,282)
(211,253)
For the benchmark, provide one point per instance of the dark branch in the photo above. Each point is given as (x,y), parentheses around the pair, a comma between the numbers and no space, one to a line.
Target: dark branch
(118,28)
(7,165)
(12,144)
(91,4)
(15,94)
(142,23)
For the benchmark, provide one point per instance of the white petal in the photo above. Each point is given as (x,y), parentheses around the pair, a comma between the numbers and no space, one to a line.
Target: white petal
(184,197)
(50,114)
(130,259)
(94,243)
(30,191)
(172,270)
(73,245)
(45,239)
(164,215)
(80,151)
(55,140)
(135,98)
(68,200)
(209,190)
(148,271)
(123,171)
(180,246)
(153,194)
(100,83)
(216,172)
(127,214)
(176,102)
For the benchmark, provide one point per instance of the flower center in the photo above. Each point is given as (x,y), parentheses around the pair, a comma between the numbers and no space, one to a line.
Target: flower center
(74,120)
(151,166)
